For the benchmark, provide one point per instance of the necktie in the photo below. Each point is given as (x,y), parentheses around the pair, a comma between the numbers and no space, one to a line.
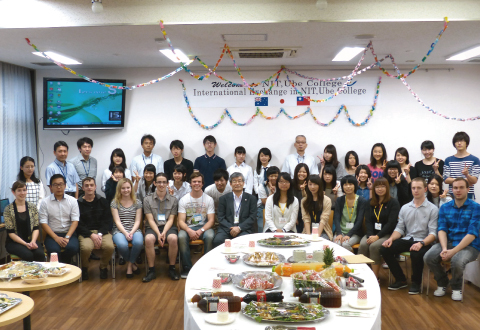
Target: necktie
(265,173)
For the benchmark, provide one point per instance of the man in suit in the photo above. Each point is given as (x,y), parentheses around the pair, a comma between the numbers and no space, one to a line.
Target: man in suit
(237,212)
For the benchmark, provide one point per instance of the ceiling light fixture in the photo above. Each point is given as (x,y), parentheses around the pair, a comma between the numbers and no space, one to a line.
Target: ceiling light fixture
(59,58)
(321,4)
(173,57)
(347,53)
(469,53)
(97,6)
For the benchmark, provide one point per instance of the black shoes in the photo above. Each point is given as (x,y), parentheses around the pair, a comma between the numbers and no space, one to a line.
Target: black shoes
(398,285)
(84,273)
(103,273)
(173,274)
(136,271)
(150,276)
(184,273)
(414,288)
(121,261)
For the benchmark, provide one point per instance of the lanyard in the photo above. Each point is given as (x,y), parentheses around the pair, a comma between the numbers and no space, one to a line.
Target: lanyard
(85,168)
(378,215)
(237,210)
(348,210)
(284,208)
(191,203)
(151,159)
(66,170)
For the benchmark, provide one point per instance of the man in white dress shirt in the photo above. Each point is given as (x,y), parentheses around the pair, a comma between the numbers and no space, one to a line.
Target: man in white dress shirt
(300,157)
(139,162)
(240,167)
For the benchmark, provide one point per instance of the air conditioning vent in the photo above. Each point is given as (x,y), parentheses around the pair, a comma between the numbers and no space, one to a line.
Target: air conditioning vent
(474,60)
(264,52)
(45,64)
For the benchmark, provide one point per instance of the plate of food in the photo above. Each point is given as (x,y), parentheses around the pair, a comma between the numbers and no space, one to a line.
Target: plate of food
(56,271)
(283,241)
(7,302)
(284,312)
(263,259)
(17,269)
(34,278)
(257,281)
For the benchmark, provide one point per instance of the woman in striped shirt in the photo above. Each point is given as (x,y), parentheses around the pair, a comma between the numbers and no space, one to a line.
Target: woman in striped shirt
(127,215)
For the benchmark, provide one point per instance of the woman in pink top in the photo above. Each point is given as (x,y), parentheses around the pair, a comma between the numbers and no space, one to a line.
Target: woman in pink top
(378,161)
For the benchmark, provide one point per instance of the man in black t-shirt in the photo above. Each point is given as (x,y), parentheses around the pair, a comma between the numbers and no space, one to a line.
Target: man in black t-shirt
(176,148)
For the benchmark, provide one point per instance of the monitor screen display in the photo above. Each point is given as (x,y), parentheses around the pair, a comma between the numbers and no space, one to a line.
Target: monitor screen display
(79,104)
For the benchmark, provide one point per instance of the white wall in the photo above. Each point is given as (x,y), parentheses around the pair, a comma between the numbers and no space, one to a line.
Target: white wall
(399,120)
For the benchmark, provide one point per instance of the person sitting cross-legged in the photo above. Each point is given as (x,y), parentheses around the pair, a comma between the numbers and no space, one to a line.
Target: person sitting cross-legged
(237,212)
(160,210)
(458,233)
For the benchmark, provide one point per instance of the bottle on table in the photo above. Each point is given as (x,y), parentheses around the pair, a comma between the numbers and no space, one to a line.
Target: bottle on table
(210,304)
(262,296)
(287,269)
(196,298)
(327,297)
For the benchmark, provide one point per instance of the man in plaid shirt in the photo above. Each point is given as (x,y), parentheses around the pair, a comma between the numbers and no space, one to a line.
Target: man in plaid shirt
(458,233)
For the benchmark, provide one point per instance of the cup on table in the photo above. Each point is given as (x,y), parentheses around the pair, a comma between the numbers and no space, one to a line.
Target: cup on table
(222,310)
(228,245)
(314,232)
(217,284)
(362,297)
(251,246)
(54,258)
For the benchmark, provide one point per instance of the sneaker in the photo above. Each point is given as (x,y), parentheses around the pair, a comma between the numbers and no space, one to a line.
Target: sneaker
(184,273)
(150,276)
(103,273)
(440,292)
(173,274)
(457,295)
(384,265)
(414,288)
(398,285)
(84,273)
(400,258)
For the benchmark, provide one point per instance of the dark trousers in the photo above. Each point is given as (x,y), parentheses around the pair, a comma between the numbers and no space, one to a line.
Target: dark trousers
(269,231)
(68,252)
(221,236)
(25,253)
(402,245)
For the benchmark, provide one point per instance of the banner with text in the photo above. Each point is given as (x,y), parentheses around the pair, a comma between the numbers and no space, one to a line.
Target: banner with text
(217,93)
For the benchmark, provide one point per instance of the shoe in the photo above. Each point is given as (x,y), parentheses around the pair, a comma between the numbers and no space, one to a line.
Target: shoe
(103,273)
(136,271)
(121,261)
(397,285)
(440,292)
(457,295)
(93,256)
(414,288)
(129,275)
(150,276)
(185,273)
(384,265)
(84,274)
(400,258)
(173,274)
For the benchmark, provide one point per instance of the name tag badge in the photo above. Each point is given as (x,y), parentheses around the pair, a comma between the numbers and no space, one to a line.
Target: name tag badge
(378,226)
(236,220)
(349,225)
(161,219)
(282,220)
(196,219)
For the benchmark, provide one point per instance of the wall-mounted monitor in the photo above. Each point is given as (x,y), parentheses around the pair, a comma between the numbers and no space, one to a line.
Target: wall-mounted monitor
(79,104)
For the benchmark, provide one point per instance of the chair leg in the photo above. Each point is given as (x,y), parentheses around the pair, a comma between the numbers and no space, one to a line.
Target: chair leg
(146,262)
(463,284)
(79,263)
(428,280)
(406,267)
(113,264)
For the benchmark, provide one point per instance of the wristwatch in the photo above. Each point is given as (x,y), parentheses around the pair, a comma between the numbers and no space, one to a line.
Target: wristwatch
(67,237)
(203,230)
(422,242)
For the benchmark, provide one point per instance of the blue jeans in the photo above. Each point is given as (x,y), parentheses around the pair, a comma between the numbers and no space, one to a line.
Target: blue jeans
(184,244)
(68,252)
(122,245)
(458,262)
(260,218)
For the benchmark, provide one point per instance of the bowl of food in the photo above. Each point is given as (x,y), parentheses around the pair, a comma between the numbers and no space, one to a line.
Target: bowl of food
(225,277)
(34,278)
(232,258)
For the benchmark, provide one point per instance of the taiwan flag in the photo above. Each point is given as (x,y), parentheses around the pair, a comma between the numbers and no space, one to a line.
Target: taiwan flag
(303,100)
(261,101)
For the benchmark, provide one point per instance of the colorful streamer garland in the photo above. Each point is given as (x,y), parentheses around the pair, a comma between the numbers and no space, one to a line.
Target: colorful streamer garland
(282,110)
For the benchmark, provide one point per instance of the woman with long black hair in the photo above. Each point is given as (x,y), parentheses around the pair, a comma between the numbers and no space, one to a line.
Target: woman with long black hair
(116,159)
(329,157)
(316,208)
(35,190)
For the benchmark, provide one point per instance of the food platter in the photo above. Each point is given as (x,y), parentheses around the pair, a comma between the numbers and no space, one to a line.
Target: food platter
(263,259)
(283,241)
(7,303)
(17,269)
(255,280)
(284,312)
(56,271)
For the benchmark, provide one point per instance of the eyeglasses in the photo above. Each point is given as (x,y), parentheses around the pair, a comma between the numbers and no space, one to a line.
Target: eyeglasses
(283,182)
(58,185)
(162,182)
(237,181)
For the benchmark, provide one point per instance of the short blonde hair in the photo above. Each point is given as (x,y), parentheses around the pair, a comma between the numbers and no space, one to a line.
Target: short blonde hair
(118,192)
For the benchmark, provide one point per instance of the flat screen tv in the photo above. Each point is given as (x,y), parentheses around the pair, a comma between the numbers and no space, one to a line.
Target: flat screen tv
(79,104)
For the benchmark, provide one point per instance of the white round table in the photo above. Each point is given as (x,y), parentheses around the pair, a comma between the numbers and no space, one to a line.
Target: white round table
(214,262)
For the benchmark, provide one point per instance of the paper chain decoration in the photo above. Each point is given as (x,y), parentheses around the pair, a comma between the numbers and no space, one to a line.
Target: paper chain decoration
(259,112)
(226,49)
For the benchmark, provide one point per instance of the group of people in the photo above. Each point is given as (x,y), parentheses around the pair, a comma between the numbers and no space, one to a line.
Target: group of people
(387,207)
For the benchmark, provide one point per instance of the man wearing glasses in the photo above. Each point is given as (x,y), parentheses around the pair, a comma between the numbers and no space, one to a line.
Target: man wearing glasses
(237,212)
(300,157)
(160,210)
(59,215)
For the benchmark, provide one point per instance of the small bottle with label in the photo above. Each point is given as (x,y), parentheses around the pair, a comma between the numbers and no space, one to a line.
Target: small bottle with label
(196,298)
(210,304)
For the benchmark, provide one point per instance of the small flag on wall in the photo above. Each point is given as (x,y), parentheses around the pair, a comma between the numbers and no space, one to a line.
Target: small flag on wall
(261,101)
(303,100)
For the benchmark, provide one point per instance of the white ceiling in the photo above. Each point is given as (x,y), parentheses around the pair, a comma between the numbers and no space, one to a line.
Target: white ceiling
(123,36)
